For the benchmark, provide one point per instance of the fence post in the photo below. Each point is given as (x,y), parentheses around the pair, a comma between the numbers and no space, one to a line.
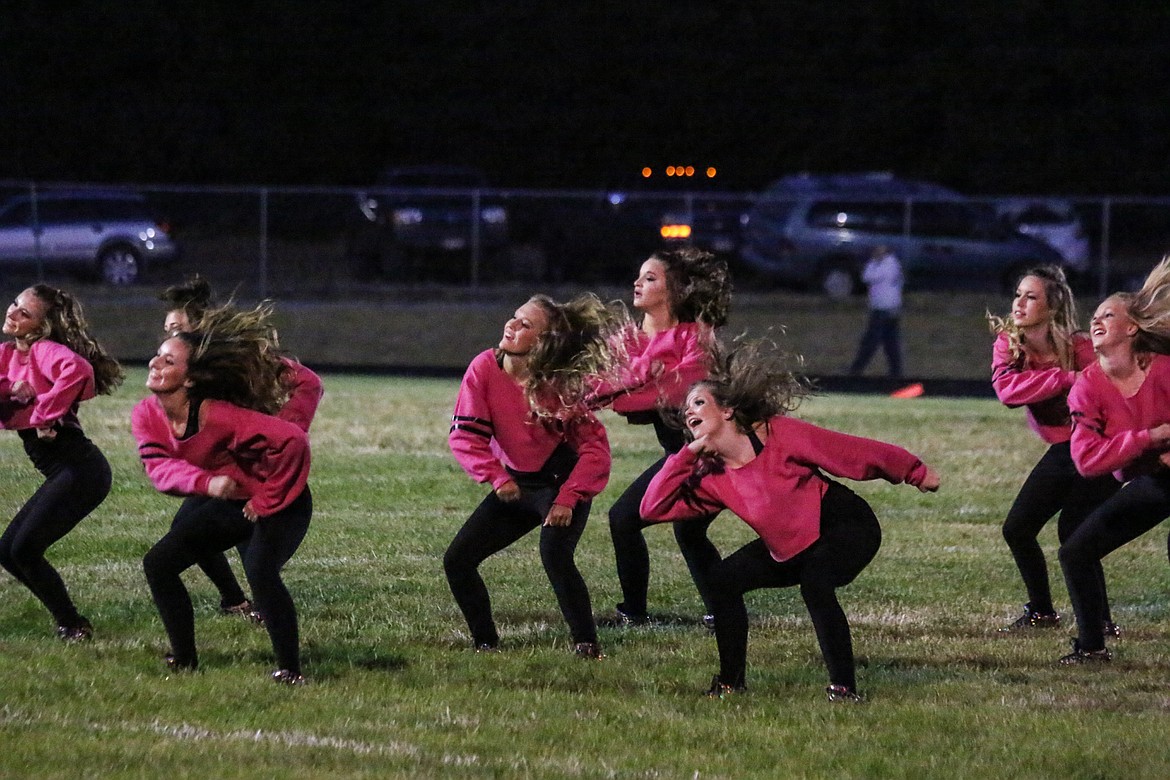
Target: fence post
(263,271)
(1106,216)
(475,238)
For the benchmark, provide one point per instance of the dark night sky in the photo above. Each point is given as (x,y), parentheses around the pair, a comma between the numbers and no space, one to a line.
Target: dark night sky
(1023,96)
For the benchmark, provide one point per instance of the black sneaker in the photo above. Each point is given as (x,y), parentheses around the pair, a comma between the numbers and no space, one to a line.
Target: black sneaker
(626,618)
(245,609)
(1111,629)
(487,647)
(1032,619)
(1080,656)
(285,677)
(709,623)
(843,693)
(82,632)
(588,650)
(720,689)
(175,665)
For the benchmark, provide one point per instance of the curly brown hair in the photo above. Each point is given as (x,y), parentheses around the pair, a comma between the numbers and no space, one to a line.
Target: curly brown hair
(699,284)
(235,358)
(757,380)
(193,298)
(65,323)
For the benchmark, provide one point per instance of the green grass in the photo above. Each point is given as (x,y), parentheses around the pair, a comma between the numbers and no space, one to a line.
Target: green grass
(396,693)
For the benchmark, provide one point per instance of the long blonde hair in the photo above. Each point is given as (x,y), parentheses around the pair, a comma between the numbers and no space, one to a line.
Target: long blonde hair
(1149,308)
(1061,325)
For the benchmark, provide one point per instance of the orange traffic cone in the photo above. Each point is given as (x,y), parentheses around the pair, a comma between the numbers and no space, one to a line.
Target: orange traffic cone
(909,391)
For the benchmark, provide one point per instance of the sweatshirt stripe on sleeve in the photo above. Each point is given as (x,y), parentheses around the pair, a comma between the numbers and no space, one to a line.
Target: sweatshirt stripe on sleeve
(476,425)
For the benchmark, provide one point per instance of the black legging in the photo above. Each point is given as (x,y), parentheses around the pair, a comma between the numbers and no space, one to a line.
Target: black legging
(1141,504)
(1053,486)
(216,565)
(850,538)
(496,524)
(204,528)
(77,480)
(633,557)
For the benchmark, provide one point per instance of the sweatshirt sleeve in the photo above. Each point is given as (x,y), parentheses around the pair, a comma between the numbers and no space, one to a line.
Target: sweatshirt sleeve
(1016,386)
(280,451)
(590,475)
(664,497)
(304,396)
(679,361)
(850,457)
(472,429)
(72,382)
(1093,452)
(168,473)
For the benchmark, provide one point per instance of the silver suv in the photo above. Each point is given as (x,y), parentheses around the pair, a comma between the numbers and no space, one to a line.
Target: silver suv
(110,235)
(816,231)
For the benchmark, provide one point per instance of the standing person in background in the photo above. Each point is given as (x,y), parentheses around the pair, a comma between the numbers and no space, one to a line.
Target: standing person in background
(883,276)
(1037,354)
(187,304)
(748,455)
(1121,424)
(683,296)
(209,429)
(50,365)
(521,426)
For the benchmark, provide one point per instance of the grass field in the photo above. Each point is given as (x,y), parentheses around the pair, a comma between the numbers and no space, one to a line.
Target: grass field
(395,691)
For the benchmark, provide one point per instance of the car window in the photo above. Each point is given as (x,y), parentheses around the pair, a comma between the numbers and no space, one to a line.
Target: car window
(1041,214)
(774,210)
(945,220)
(53,211)
(869,216)
(18,215)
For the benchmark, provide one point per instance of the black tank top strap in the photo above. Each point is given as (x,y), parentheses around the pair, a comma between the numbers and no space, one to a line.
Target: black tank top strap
(757,445)
(192,418)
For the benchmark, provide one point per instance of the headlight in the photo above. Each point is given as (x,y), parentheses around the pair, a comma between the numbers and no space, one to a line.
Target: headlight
(494,215)
(368,207)
(407,216)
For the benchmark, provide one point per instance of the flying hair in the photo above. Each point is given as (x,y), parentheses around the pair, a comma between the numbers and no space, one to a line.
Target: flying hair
(193,298)
(699,284)
(235,357)
(1149,308)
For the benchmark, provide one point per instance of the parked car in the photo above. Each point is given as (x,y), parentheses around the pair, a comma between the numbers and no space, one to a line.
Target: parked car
(108,234)
(421,221)
(603,235)
(816,231)
(1053,221)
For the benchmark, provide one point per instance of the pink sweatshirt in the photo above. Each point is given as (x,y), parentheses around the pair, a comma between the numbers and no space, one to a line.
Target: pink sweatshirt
(661,368)
(61,378)
(267,456)
(779,492)
(305,393)
(1042,388)
(493,428)
(1112,433)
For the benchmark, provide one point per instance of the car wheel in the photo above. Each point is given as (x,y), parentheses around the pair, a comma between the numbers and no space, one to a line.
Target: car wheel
(836,282)
(119,266)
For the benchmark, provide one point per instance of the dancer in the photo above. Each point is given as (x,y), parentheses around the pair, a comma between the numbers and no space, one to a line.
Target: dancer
(683,295)
(749,456)
(1121,424)
(521,426)
(186,306)
(51,364)
(1037,354)
(209,429)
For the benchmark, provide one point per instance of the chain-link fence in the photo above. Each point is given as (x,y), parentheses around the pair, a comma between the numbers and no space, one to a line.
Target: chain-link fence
(311,242)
